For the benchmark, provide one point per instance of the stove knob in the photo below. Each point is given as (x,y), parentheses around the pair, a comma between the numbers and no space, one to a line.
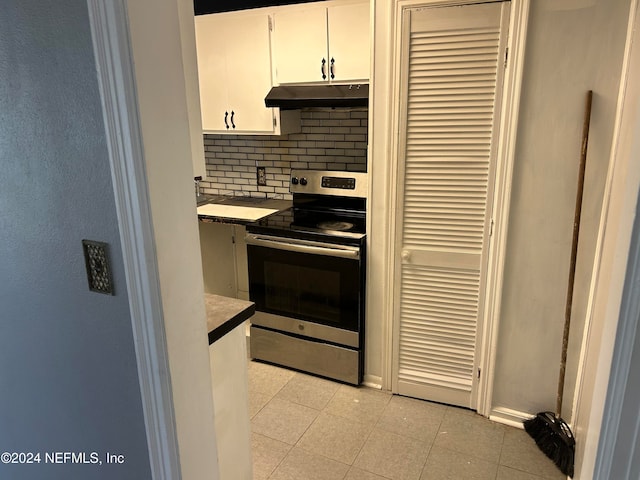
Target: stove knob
(303,181)
(294,180)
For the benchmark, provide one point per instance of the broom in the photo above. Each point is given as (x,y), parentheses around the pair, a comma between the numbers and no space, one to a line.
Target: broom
(550,432)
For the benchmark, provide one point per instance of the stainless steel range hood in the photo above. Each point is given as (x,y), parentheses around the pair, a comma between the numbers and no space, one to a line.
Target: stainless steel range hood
(293,97)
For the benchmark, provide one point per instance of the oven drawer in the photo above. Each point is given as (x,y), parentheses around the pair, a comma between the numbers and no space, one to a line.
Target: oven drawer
(303,328)
(319,358)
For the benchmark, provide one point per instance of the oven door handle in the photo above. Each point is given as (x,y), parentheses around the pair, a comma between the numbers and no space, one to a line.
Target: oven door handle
(301,246)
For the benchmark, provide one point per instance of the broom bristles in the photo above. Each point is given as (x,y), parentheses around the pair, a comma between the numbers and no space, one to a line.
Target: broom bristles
(554,438)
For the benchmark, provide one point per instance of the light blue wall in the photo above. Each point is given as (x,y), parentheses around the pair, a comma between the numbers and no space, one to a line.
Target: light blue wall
(68,376)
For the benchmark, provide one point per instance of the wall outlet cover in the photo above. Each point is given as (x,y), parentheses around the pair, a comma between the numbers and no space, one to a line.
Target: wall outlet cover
(262,176)
(96,258)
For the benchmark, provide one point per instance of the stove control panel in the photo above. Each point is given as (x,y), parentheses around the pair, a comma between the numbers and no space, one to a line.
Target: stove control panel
(339,183)
(298,181)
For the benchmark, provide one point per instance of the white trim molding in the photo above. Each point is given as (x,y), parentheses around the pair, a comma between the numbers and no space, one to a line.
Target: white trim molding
(502,200)
(508,416)
(602,367)
(372,381)
(111,43)
(620,434)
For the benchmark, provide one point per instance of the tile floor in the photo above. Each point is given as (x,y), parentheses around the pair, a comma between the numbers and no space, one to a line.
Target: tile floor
(307,428)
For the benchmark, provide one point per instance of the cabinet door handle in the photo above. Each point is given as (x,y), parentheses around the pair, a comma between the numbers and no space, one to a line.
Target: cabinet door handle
(232,114)
(331,68)
(322,69)
(226,114)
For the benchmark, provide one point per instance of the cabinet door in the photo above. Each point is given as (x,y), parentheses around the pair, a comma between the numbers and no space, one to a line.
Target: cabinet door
(248,60)
(230,388)
(242,265)
(211,36)
(300,44)
(218,258)
(349,42)
(234,71)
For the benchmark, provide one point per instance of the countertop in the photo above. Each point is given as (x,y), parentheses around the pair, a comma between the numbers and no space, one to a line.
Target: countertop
(224,314)
(248,203)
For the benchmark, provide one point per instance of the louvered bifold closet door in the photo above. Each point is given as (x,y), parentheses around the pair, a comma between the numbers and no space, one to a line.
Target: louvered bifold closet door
(453,64)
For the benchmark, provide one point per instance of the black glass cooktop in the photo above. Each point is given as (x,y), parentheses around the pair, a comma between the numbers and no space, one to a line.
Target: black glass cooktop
(335,226)
(326,218)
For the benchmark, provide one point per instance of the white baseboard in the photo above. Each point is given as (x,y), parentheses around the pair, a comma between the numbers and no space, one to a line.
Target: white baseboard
(507,416)
(372,381)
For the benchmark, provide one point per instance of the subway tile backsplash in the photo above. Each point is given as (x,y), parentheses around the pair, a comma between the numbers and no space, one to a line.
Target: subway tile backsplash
(328,140)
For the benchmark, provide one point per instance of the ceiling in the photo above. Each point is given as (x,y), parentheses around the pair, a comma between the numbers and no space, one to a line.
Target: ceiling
(202,7)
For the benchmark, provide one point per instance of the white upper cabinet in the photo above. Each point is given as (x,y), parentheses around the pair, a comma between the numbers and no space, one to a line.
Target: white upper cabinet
(348,27)
(234,72)
(321,42)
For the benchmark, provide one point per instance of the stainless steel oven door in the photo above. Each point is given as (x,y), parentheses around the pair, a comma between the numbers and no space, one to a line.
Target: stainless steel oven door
(316,287)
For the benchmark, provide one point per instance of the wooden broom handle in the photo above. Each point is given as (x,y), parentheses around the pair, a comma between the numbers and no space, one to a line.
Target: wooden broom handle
(574,251)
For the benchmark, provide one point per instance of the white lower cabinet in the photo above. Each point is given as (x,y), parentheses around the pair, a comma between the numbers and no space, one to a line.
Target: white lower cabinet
(218,258)
(224,259)
(242,266)
(229,377)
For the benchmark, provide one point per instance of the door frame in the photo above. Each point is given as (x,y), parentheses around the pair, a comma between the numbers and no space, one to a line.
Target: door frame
(122,124)
(178,446)
(612,330)
(501,192)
